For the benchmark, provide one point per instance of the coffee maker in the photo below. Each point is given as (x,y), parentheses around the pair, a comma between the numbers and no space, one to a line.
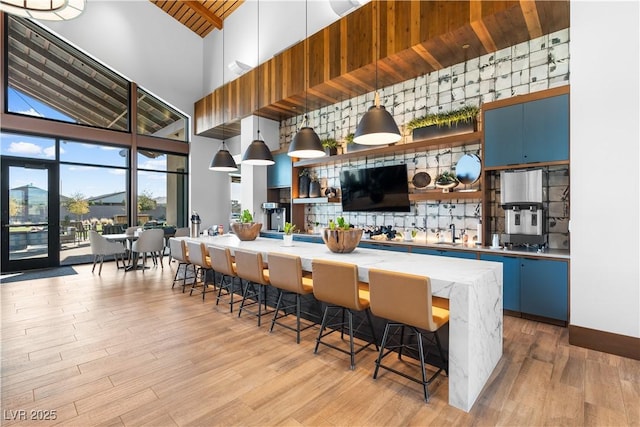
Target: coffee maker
(521,199)
(276,216)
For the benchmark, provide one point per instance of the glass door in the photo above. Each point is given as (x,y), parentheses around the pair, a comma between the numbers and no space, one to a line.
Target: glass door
(30,230)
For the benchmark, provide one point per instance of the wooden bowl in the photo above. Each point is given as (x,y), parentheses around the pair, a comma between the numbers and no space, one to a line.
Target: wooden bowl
(342,241)
(247,231)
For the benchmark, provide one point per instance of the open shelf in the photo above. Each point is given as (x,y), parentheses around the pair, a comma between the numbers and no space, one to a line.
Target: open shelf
(308,200)
(439,195)
(421,145)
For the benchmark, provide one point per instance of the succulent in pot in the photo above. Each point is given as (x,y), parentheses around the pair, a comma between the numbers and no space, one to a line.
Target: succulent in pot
(288,230)
(446,180)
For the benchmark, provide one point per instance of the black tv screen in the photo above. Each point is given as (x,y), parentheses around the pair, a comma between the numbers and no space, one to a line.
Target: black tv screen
(380,189)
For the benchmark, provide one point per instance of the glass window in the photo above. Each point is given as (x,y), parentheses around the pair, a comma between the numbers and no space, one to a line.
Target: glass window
(93,154)
(157,118)
(154,160)
(162,198)
(27,146)
(49,78)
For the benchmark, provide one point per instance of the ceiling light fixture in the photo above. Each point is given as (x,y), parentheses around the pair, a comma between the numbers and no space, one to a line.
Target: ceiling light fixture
(306,144)
(223,161)
(46,10)
(258,154)
(377,126)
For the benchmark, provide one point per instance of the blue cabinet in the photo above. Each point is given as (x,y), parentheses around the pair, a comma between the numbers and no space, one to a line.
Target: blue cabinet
(279,174)
(531,132)
(510,280)
(444,252)
(544,288)
(371,245)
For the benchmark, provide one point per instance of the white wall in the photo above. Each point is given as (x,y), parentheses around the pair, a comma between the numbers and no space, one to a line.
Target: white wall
(605,289)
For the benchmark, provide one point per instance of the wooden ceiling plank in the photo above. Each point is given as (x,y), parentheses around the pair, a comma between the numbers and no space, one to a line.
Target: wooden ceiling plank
(484,36)
(206,13)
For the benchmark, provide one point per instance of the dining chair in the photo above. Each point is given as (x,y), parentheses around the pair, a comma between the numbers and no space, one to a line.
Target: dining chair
(200,260)
(178,249)
(151,242)
(101,247)
(222,263)
(249,266)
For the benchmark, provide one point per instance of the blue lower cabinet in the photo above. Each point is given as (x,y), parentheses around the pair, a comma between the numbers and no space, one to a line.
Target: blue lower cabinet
(510,280)
(544,288)
(371,245)
(443,252)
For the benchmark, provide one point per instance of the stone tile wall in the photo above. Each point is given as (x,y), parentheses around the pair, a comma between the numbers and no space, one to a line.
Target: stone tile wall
(528,67)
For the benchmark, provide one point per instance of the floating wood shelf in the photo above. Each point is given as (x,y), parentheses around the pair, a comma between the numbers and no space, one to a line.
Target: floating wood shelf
(308,200)
(439,195)
(421,145)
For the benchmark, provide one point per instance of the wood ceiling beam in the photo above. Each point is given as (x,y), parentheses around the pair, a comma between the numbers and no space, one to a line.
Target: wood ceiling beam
(531,17)
(205,13)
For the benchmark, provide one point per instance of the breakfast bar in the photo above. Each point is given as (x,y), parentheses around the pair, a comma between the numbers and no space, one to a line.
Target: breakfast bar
(473,288)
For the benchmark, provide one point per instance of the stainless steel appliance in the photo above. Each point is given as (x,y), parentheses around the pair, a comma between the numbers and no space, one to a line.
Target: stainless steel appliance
(276,216)
(521,198)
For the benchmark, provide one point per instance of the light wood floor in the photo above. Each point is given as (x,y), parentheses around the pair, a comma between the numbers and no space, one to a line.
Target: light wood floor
(126,349)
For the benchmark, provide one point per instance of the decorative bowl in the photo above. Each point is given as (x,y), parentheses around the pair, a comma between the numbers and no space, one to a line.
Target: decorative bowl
(246,231)
(342,241)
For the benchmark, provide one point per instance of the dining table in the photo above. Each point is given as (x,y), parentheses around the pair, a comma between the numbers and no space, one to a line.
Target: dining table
(473,288)
(127,239)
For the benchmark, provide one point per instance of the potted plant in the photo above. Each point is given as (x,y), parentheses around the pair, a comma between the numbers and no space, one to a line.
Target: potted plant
(245,228)
(340,237)
(330,146)
(304,180)
(454,122)
(446,180)
(288,229)
(351,145)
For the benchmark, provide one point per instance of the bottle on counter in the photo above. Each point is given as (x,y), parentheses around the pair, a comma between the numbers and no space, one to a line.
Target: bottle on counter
(479,233)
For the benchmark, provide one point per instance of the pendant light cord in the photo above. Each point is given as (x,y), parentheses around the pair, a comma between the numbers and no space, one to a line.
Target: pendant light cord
(223,88)
(306,67)
(376,98)
(258,63)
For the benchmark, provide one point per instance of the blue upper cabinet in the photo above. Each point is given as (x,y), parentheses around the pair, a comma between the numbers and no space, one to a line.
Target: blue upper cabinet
(531,132)
(279,174)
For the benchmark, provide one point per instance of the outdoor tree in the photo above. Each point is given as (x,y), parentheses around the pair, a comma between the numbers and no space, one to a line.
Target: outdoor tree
(15,207)
(146,201)
(77,205)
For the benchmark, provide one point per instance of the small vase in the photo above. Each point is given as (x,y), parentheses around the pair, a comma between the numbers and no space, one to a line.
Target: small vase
(303,186)
(288,240)
(314,189)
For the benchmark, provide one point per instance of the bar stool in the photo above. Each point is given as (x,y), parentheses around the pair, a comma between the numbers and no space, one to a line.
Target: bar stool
(179,253)
(405,301)
(222,263)
(337,284)
(200,260)
(250,267)
(285,274)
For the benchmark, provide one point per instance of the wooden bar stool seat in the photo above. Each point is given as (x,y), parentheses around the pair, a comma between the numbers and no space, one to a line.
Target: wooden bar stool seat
(285,274)
(337,285)
(405,300)
(250,267)
(200,260)
(222,263)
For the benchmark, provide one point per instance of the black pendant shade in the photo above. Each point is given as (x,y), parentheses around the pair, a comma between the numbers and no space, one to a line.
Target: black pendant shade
(223,162)
(258,154)
(306,145)
(377,127)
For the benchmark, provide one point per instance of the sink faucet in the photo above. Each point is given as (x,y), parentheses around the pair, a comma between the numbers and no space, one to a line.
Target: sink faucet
(452,227)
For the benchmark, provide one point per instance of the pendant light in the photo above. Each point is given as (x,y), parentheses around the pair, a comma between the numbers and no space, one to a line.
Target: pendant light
(377,126)
(258,154)
(223,161)
(306,144)
(49,10)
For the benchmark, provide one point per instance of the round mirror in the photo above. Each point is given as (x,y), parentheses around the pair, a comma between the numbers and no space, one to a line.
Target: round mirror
(421,180)
(468,169)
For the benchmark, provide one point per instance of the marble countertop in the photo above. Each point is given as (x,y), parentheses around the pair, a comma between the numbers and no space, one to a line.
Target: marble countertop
(423,243)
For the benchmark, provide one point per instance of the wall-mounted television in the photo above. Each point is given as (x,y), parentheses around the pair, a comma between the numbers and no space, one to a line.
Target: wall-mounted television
(379,189)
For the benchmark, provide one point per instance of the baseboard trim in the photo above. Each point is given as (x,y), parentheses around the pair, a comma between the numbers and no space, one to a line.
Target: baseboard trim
(620,345)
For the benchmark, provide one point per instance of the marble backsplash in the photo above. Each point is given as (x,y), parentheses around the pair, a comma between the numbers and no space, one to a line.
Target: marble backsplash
(532,66)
